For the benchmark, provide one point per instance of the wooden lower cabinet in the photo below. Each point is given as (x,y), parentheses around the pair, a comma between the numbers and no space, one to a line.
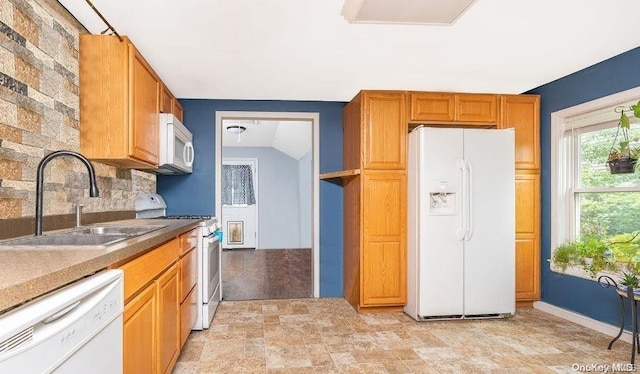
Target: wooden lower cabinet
(153,323)
(527,270)
(375,249)
(140,332)
(168,319)
(188,314)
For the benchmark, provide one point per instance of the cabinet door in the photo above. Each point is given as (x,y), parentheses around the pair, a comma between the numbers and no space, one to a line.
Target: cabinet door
(140,333)
(188,314)
(188,273)
(385,130)
(527,237)
(527,269)
(145,109)
(432,107)
(168,319)
(165,100)
(476,108)
(522,112)
(384,257)
(177,110)
(528,204)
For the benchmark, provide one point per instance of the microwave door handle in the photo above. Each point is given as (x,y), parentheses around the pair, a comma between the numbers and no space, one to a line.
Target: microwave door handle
(187,154)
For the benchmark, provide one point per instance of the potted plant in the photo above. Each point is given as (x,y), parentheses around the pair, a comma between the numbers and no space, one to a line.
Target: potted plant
(591,253)
(630,280)
(622,156)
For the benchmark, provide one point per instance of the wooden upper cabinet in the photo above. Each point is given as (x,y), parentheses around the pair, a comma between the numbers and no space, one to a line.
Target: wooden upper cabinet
(476,108)
(169,104)
(446,108)
(145,91)
(166,99)
(522,112)
(119,103)
(427,106)
(121,99)
(177,110)
(384,130)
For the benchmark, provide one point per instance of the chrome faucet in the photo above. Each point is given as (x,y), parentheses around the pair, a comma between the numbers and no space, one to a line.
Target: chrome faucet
(93,187)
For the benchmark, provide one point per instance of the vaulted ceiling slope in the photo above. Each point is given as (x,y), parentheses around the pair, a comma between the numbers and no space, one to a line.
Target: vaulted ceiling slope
(305,49)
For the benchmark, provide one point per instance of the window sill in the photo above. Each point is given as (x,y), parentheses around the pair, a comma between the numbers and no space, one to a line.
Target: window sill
(579,272)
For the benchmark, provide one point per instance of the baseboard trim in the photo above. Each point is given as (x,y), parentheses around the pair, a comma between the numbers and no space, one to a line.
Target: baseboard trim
(582,320)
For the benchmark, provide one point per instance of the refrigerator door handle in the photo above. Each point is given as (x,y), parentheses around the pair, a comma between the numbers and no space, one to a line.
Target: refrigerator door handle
(461,233)
(469,233)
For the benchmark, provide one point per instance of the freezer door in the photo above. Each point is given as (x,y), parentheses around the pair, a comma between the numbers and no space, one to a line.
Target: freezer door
(489,247)
(440,248)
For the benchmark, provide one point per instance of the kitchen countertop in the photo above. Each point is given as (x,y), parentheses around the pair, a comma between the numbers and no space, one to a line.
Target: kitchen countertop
(26,273)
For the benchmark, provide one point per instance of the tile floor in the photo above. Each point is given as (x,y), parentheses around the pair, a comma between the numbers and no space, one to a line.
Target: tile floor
(328,336)
(266,274)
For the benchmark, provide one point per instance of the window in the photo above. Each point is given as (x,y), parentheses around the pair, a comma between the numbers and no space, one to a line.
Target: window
(237,185)
(587,200)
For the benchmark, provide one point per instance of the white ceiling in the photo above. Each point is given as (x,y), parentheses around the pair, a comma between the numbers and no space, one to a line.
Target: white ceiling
(292,138)
(305,49)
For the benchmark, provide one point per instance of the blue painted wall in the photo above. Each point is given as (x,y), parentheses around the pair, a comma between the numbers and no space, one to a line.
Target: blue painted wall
(195,193)
(617,74)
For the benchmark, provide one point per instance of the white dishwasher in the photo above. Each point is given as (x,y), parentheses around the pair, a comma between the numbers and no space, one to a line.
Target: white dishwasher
(76,329)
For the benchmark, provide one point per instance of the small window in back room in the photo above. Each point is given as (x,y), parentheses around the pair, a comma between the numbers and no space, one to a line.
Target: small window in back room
(237,185)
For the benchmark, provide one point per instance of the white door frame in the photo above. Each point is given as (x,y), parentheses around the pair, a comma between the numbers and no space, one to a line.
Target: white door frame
(254,163)
(314,117)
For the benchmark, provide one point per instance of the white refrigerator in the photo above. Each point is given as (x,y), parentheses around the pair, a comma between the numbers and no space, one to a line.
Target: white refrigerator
(461,223)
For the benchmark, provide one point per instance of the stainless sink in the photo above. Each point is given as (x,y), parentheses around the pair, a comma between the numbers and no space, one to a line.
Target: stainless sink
(64,240)
(82,236)
(115,230)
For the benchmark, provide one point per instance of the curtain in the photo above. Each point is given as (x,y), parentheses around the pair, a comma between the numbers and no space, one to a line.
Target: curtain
(237,185)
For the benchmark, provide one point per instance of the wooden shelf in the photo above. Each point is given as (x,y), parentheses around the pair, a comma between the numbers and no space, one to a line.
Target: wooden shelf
(340,174)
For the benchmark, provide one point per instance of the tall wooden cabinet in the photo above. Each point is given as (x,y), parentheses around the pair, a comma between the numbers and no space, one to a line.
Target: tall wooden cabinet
(374,182)
(522,112)
(375,128)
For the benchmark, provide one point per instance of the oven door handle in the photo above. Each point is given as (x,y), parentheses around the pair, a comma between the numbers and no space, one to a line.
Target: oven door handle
(212,238)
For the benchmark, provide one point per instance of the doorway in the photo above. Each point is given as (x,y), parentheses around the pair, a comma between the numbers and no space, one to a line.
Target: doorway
(280,248)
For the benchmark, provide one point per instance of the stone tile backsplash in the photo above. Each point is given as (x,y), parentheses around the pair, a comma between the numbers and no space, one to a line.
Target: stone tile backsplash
(39,113)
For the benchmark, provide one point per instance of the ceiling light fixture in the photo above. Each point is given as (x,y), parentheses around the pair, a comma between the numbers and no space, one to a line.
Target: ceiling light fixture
(236,129)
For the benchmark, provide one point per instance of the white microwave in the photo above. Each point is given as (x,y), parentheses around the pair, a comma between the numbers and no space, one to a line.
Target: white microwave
(176,146)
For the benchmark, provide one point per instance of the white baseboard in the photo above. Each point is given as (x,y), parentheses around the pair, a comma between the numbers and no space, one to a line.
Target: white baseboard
(582,320)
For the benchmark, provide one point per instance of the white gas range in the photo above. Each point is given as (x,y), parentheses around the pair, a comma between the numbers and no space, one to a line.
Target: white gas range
(148,205)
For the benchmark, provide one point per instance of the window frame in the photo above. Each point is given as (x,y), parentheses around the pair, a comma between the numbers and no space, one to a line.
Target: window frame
(565,124)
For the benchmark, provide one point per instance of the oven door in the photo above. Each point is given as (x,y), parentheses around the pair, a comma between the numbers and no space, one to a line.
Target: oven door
(210,269)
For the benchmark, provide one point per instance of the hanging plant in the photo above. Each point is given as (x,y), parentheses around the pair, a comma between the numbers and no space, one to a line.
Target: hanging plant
(622,156)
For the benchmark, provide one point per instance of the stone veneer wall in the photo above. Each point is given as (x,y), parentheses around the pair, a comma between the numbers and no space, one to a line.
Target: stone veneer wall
(39,113)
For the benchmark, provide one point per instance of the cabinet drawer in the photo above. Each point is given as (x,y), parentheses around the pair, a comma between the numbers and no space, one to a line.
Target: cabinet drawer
(188,314)
(144,269)
(188,273)
(189,240)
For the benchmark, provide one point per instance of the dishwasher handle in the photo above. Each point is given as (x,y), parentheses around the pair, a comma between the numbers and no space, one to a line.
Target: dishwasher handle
(56,316)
